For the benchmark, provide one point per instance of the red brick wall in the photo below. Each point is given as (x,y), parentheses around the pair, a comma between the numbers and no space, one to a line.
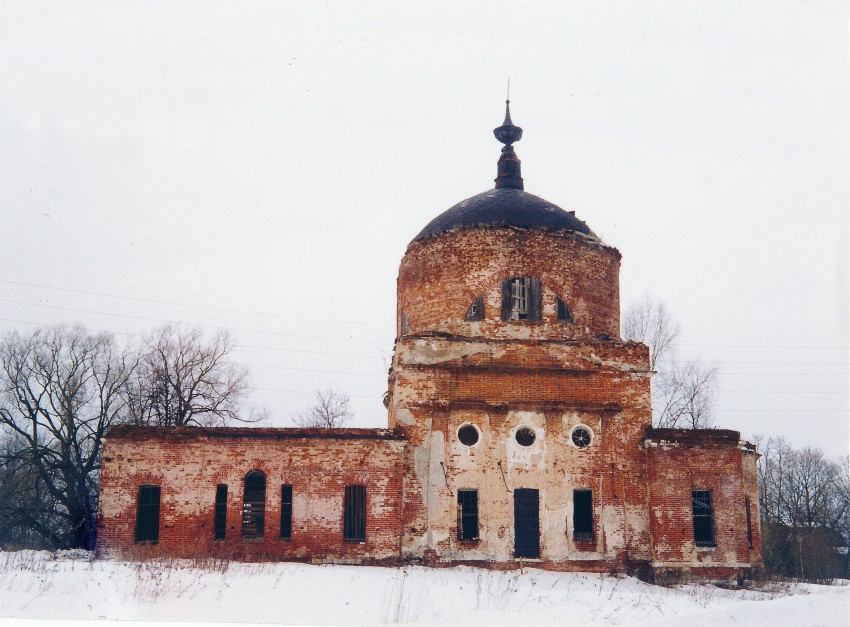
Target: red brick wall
(188,464)
(441,276)
(677,468)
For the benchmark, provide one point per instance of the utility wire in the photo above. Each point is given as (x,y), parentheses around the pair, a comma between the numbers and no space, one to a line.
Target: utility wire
(207,307)
(200,324)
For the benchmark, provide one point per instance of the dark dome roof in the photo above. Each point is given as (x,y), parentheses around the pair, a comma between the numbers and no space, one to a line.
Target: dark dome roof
(505,207)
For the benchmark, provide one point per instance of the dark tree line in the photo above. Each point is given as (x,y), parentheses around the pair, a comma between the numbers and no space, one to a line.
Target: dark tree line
(61,388)
(804,500)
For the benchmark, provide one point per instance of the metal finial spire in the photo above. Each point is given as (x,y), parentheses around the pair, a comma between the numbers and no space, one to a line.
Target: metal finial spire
(509,174)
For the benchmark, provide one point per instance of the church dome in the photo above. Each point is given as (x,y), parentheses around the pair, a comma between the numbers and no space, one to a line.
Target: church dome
(505,207)
(508,205)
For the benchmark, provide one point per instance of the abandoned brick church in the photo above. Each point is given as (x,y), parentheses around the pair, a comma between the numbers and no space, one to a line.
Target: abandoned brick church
(519,429)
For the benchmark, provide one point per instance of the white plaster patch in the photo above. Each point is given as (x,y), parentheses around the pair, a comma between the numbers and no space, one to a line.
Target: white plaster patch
(404,416)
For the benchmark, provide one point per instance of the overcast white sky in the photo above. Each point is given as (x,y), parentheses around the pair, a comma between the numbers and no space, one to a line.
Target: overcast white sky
(262,167)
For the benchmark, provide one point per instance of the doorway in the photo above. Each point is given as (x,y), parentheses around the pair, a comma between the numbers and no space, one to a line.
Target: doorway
(526,523)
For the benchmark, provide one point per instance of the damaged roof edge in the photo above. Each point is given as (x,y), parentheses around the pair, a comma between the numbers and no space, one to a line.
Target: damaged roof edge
(696,437)
(281,433)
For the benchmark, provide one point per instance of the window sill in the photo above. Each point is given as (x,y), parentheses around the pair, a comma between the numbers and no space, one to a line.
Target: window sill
(353,541)
(253,540)
(706,547)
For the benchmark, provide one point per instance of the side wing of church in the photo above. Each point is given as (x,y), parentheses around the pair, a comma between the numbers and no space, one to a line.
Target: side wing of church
(519,431)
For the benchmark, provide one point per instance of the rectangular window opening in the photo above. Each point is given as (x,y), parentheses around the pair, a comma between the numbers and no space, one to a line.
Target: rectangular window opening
(583,515)
(220,521)
(286,512)
(147,514)
(749,523)
(354,514)
(519,299)
(703,518)
(467,514)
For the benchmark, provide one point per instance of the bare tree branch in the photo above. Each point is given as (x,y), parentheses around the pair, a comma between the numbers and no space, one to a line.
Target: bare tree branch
(330,410)
(186,379)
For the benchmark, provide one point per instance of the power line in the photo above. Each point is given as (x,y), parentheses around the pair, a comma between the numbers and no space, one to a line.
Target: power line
(200,324)
(781,392)
(236,346)
(206,307)
(305,392)
(784,411)
(764,346)
(356,374)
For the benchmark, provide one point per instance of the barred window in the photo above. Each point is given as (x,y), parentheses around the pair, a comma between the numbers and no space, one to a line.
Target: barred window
(354,514)
(703,518)
(467,514)
(147,514)
(286,511)
(220,522)
(583,515)
(254,506)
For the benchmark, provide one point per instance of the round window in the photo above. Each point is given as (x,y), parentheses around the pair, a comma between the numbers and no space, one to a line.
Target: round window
(468,435)
(581,437)
(525,436)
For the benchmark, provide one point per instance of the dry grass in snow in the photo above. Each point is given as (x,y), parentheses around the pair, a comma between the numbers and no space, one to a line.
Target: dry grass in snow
(70,585)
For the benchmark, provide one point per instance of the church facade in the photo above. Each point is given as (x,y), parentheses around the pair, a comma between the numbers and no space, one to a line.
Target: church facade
(519,431)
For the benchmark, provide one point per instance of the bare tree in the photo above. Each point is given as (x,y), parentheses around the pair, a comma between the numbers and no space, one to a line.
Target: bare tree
(649,322)
(804,500)
(330,410)
(185,379)
(60,390)
(686,396)
(683,393)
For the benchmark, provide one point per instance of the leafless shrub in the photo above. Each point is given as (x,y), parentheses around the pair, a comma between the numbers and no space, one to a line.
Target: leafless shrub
(330,410)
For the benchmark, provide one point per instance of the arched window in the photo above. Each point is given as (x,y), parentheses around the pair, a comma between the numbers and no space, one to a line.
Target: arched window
(476,310)
(564,313)
(254,505)
(521,299)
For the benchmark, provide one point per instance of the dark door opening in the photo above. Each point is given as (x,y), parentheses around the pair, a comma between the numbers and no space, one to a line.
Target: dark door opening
(526,523)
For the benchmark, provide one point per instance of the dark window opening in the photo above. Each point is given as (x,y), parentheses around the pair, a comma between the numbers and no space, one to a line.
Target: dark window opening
(749,523)
(583,515)
(467,514)
(220,521)
(526,523)
(703,518)
(354,514)
(564,313)
(525,436)
(147,514)
(286,511)
(521,299)
(476,310)
(254,506)
(468,435)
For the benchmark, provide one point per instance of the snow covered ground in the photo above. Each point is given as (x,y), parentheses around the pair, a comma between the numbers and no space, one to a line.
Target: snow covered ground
(71,586)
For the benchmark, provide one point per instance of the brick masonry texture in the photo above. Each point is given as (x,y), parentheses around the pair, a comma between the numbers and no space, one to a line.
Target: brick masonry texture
(550,377)
(441,276)
(190,462)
